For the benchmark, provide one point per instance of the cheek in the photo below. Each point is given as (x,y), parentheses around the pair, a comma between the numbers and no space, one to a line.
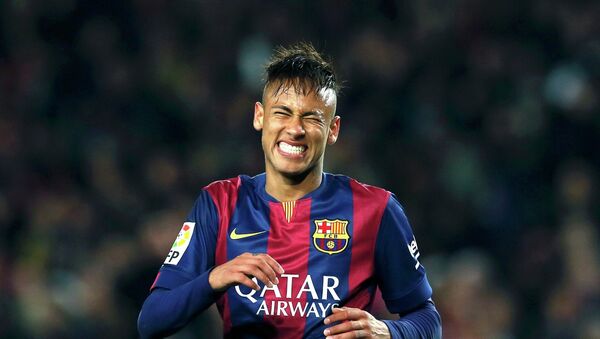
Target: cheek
(268,136)
(319,136)
(271,126)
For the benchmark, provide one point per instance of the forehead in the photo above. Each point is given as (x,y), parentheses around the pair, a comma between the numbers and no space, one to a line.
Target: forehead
(300,99)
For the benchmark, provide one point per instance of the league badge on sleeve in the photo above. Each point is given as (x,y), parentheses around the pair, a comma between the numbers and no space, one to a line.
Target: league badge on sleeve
(181,243)
(331,236)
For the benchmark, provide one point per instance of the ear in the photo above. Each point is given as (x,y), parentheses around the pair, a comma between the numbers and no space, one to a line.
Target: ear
(334,130)
(259,114)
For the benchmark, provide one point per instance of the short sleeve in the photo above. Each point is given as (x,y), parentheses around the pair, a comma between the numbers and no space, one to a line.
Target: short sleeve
(193,251)
(400,275)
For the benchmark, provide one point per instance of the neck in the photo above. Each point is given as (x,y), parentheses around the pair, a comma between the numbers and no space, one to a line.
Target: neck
(292,188)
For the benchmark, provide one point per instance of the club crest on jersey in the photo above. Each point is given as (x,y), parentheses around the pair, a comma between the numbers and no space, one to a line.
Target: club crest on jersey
(331,236)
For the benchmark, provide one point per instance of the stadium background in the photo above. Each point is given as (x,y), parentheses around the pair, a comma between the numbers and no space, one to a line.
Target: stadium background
(483,117)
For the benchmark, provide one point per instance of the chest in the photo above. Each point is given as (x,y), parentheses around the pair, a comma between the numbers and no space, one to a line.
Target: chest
(294,233)
(325,247)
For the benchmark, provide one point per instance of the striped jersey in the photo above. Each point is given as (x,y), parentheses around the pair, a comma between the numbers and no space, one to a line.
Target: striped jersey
(336,245)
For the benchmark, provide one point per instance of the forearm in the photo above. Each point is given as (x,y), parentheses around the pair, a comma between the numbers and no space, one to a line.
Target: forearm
(165,311)
(422,323)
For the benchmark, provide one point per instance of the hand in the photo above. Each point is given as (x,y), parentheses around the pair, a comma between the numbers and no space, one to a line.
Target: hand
(355,323)
(241,269)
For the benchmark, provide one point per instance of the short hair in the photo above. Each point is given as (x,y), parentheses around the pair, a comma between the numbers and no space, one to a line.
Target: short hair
(300,66)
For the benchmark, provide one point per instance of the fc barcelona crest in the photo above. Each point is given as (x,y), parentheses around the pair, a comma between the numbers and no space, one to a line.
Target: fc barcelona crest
(331,236)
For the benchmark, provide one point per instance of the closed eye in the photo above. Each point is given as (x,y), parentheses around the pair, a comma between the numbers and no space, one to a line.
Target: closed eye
(281,109)
(282,113)
(314,117)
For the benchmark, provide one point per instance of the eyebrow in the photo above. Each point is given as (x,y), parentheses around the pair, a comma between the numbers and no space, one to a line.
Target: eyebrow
(287,109)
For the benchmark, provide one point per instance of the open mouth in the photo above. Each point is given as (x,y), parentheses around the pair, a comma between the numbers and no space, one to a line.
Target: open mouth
(288,149)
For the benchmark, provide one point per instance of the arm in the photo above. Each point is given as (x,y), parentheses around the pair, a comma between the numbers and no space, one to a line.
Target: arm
(167,310)
(181,289)
(187,283)
(403,283)
(424,322)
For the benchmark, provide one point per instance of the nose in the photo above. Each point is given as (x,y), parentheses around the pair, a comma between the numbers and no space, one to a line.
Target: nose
(295,127)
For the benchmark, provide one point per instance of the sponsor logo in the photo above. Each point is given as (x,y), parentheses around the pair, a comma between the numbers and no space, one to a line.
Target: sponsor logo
(181,243)
(235,236)
(291,297)
(331,236)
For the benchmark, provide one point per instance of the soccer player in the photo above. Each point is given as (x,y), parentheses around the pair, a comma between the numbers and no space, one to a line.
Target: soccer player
(294,252)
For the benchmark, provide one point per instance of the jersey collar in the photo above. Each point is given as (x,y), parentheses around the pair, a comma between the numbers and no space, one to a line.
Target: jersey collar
(260,182)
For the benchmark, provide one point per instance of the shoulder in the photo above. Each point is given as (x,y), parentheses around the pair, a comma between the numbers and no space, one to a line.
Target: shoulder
(221,190)
(361,189)
(226,189)
(224,184)
(231,185)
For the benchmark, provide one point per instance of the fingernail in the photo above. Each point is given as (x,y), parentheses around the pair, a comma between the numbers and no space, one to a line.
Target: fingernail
(326,332)
(326,321)
(276,281)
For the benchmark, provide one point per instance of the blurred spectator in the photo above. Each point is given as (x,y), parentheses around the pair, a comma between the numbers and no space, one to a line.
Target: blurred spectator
(572,306)
(472,302)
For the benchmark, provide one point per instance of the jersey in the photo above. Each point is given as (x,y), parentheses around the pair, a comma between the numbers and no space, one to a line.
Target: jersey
(336,245)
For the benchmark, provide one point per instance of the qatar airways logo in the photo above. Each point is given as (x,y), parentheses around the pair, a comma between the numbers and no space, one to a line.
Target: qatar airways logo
(288,303)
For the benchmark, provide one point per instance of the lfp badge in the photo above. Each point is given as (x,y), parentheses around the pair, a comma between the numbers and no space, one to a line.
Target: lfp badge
(331,236)
(181,243)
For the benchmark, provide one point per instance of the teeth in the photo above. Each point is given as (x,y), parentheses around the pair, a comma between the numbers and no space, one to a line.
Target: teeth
(287,148)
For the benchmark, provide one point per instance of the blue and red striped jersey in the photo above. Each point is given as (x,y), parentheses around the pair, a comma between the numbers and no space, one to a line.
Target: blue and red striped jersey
(336,245)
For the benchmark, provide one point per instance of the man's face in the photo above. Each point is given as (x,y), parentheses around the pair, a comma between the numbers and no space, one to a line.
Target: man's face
(295,130)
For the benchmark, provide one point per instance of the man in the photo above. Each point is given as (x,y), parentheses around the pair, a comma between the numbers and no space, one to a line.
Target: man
(294,252)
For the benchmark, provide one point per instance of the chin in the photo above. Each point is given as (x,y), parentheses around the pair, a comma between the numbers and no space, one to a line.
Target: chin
(294,172)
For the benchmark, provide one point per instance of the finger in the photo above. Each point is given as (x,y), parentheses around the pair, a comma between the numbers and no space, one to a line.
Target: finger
(254,271)
(257,259)
(339,314)
(347,326)
(267,258)
(273,263)
(243,279)
(350,335)
(265,267)
(257,268)
(354,313)
(267,262)
(247,262)
(345,313)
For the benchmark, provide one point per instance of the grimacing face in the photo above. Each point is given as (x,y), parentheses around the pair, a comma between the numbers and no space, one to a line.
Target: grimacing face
(296,129)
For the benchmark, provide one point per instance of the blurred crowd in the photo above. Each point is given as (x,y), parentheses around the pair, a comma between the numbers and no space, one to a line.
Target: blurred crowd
(483,117)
